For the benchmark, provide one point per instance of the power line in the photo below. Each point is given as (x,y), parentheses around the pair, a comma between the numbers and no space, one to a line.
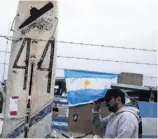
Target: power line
(74,69)
(4,63)
(105,60)
(82,44)
(4,52)
(131,75)
(7,37)
(150,76)
(116,61)
(101,45)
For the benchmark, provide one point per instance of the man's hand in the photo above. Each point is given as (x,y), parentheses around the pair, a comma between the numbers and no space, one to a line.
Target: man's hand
(96,105)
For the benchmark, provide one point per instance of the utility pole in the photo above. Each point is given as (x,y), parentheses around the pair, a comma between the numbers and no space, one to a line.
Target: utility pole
(31,75)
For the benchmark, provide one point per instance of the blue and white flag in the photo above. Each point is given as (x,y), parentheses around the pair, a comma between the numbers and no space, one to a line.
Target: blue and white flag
(148,112)
(60,123)
(86,86)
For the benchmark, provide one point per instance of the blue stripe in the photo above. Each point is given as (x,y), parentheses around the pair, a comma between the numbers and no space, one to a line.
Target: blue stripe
(87,74)
(16,132)
(148,109)
(84,96)
(64,128)
(60,119)
(149,136)
(41,114)
(36,118)
(60,102)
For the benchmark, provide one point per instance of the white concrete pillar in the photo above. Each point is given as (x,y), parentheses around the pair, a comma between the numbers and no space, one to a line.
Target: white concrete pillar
(31,75)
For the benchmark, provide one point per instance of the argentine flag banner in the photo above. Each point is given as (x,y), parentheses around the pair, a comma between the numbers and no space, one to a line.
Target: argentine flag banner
(86,86)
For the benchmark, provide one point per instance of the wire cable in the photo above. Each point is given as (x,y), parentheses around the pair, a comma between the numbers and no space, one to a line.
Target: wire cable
(82,44)
(107,60)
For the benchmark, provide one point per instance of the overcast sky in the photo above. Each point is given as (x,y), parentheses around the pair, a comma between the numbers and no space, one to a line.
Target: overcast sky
(126,23)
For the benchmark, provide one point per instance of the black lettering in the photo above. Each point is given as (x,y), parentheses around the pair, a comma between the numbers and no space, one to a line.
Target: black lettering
(49,69)
(15,65)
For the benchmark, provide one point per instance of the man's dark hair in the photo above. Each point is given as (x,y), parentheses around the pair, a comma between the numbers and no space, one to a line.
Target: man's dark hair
(116,93)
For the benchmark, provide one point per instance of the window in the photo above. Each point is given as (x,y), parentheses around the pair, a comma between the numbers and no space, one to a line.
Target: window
(60,87)
(143,95)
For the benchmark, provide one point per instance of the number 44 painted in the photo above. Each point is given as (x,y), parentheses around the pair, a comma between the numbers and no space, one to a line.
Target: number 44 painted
(51,44)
